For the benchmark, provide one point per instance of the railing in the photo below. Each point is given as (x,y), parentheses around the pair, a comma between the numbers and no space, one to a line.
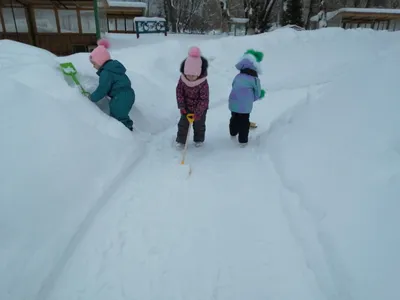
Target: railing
(145,25)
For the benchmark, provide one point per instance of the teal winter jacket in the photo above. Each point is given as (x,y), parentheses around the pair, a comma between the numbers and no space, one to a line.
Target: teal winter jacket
(113,82)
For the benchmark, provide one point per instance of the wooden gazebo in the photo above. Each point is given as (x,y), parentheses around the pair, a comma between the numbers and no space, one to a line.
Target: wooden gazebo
(62,27)
(374,18)
(238,26)
(120,15)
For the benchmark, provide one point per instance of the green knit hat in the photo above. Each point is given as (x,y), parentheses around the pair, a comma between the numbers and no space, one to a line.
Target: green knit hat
(257,54)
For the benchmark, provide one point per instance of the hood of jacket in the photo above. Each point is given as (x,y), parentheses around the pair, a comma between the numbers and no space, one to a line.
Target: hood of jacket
(113,66)
(248,62)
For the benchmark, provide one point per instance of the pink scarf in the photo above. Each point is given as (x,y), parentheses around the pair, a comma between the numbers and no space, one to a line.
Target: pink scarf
(192,83)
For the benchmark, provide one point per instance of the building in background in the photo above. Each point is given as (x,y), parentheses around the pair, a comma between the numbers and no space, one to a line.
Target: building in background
(65,27)
(374,18)
(120,15)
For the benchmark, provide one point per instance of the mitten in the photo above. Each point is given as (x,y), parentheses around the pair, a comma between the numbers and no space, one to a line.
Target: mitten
(183,111)
(262,94)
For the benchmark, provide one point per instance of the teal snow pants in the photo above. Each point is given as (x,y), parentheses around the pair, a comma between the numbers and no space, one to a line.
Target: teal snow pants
(120,106)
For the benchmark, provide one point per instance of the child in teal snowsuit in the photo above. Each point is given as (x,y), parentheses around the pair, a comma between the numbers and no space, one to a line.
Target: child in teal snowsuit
(113,82)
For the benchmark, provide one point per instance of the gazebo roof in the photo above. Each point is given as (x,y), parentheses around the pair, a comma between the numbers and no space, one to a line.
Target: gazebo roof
(239,20)
(364,13)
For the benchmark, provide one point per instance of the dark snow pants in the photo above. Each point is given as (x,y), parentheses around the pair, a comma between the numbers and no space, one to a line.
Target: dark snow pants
(120,106)
(199,129)
(240,124)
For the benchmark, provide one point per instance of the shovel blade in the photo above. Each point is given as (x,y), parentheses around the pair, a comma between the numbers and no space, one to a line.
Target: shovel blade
(183,171)
(68,69)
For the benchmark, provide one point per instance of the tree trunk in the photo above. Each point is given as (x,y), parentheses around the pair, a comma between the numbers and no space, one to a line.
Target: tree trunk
(170,14)
(224,4)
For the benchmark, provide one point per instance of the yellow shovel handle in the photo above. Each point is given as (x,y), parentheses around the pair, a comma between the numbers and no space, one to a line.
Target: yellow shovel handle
(190,118)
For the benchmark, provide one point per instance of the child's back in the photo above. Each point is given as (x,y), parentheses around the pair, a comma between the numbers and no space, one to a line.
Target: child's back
(246,89)
(114,80)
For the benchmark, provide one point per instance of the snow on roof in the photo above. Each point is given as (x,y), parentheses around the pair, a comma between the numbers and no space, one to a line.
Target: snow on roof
(329,15)
(134,4)
(239,20)
(158,19)
(371,10)
(293,26)
(332,14)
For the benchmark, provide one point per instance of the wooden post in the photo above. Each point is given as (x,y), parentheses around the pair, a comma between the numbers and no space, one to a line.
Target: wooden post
(55,10)
(96,19)
(15,22)
(2,21)
(108,23)
(31,24)
(78,16)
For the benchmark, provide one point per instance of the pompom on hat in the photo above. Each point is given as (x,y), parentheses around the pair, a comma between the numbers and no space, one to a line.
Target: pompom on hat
(100,54)
(256,54)
(193,62)
(255,57)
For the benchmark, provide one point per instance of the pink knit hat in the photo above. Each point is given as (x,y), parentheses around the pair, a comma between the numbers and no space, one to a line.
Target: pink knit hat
(193,62)
(100,54)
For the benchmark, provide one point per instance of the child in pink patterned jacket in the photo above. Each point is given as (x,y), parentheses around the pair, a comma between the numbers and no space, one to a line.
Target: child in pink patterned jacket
(192,95)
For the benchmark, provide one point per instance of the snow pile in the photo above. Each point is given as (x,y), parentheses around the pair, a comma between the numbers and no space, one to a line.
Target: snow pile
(306,211)
(272,229)
(59,155)
(338,156)
(153,63)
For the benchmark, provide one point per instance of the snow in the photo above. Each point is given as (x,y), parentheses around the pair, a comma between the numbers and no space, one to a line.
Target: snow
(133,4)
(56,164)
(69,70)
(291,26)
(126,40)
(239,20)
(145,19)
(371,10)
(308,210)
(331,14)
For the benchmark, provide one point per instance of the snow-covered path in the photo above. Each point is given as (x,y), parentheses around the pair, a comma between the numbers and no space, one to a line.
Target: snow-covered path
(96,213)
(201,238)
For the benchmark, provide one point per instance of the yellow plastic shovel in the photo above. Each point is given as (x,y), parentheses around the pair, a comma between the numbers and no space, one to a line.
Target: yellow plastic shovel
(190,118)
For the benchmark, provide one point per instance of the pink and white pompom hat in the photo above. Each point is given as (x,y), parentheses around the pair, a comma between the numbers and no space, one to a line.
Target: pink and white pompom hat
(100,54)
(193,62)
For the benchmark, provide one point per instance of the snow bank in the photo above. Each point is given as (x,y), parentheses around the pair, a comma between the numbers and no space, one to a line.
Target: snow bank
(153,64)
(60,154)
(334,189)
(338,155)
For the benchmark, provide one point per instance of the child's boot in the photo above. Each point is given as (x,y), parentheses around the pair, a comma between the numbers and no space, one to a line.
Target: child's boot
(179,146)
(198,144)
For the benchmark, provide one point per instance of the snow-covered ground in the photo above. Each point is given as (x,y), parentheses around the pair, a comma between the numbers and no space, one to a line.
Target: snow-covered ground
(307,210)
